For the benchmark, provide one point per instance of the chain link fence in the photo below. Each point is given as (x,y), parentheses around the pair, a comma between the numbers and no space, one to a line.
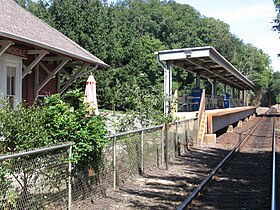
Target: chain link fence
(36,179)
(44,179)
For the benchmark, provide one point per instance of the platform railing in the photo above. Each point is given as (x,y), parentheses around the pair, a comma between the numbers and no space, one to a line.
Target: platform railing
(201,110)
(201,106)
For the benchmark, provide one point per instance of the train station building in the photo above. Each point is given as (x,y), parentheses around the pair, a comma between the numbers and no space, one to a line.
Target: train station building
(35,58)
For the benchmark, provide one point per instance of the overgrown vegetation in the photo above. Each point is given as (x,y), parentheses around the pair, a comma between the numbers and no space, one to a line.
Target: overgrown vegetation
(59,120)
(56,122)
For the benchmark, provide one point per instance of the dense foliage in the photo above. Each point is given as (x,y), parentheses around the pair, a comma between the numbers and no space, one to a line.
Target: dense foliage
(56,122)
(59,120)
(126,34)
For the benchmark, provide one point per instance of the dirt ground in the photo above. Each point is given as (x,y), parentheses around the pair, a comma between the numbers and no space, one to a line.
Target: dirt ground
(166,189)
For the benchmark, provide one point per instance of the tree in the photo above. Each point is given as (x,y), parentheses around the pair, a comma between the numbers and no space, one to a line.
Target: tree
(125,35)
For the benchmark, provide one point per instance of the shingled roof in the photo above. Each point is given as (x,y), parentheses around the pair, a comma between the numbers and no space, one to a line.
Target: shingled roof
(18,24)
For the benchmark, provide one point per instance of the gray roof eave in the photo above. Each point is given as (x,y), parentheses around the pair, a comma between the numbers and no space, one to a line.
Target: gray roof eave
(207,51)
(52,48)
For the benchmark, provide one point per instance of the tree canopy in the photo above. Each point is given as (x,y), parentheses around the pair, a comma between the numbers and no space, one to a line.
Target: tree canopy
(126,34)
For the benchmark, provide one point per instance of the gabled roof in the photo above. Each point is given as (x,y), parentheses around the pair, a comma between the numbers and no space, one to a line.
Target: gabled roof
(208,63)
(18,24)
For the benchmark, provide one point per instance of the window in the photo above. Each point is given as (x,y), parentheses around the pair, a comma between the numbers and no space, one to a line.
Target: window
(11,79)
(11,85)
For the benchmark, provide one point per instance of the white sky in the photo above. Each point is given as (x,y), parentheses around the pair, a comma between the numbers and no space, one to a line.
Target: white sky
(250,20)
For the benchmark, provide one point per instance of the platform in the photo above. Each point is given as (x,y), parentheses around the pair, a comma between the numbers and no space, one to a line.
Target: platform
(221,118)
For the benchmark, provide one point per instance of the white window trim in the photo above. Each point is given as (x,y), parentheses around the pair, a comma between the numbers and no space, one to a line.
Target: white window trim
(14,61)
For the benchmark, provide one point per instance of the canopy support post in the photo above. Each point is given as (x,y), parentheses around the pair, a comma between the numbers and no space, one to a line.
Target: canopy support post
(167,87)
(197,82)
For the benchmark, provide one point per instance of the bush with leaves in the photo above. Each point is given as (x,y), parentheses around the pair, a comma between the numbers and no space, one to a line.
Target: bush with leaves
(66,124)
(22,128)
(27,128)
(148,111)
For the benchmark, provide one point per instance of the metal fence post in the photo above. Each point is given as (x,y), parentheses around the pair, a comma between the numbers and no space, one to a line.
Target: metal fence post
(114,163)
(162,145)
(196,131)
(69,179)
(142,152)
(186,137)
(176,141)
(188,133)
(166,145)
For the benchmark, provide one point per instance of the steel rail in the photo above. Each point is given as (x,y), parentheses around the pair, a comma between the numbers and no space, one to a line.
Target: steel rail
(210,176)
(32,152)
(273,184)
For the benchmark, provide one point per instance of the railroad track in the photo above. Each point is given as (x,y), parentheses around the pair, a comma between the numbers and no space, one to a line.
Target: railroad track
(243,180)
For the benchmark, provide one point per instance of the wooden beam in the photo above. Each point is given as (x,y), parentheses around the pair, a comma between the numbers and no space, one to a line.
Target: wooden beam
(50,76)
(5,44)
(74,64)
(34,52)
(36,80)
(44,67)
(226,80)
(28,69)
(52,59)
(74,77)
(66,73)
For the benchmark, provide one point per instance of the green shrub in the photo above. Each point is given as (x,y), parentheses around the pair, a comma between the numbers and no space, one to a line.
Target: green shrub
(26,128)
(22,128)
(66,124)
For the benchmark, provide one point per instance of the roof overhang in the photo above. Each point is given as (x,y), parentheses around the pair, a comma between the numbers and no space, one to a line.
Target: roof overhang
(22,27)
(207,62)
(53,49)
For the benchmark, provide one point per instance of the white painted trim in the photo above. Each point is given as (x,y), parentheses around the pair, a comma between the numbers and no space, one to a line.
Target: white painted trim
(14,61)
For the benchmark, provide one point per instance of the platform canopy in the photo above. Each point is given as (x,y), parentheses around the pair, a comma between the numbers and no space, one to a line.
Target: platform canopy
(208,63)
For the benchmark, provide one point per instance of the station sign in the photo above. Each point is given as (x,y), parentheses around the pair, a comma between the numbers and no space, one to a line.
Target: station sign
(17,51)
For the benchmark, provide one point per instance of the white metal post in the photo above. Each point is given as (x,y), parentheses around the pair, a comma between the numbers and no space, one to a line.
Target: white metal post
(162,145)
(69,179)
(176,141)
(243,97)
(214,88)
(167,86)
(169,67)
(166,90)
(197,79)
(114,163)
(142,152)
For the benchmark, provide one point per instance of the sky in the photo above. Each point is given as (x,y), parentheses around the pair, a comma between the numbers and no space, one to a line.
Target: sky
(250,20)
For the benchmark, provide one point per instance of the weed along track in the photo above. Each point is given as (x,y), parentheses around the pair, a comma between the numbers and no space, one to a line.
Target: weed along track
(244,181)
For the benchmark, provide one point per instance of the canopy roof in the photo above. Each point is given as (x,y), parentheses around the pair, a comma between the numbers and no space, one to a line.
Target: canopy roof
(18,24)
(207,62)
